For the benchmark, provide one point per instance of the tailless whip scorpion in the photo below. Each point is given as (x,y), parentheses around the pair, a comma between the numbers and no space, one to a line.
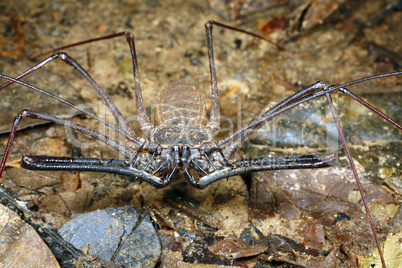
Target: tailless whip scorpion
(181,142)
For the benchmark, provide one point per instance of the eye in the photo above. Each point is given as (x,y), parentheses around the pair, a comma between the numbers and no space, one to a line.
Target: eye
(166,135)
(197,135)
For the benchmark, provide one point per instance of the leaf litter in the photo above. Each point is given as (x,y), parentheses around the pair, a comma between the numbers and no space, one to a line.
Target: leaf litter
(314,227)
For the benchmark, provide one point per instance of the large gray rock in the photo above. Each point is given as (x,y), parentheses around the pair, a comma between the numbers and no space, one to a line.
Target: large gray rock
(121,233)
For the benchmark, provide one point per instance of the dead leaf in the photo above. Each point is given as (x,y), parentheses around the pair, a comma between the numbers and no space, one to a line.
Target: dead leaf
(322,196)
(392,250)
(20,245)
(314,236)
(233,248)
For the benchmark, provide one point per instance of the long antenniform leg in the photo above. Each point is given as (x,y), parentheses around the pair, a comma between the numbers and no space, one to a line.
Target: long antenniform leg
(215,116)
(145,124)
(15,80)
(355,174)
(123,126)
(38,115)
(231,143)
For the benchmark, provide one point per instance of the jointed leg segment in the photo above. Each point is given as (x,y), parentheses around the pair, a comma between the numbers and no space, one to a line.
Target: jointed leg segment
(128,152)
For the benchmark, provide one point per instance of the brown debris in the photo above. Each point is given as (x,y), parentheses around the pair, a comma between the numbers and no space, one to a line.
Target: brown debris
(233,248)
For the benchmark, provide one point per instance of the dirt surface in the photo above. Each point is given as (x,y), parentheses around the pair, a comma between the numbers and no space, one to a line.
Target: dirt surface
(294,219)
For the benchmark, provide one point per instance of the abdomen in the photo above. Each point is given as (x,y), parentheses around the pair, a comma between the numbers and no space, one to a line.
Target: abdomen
(180,103)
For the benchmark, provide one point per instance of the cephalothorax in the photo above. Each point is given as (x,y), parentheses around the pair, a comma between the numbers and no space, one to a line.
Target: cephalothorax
(183,140)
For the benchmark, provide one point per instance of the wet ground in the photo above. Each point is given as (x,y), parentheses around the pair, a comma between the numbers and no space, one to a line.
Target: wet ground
(331,42)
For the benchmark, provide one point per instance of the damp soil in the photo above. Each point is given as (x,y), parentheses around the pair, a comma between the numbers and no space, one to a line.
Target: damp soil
(307,218)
